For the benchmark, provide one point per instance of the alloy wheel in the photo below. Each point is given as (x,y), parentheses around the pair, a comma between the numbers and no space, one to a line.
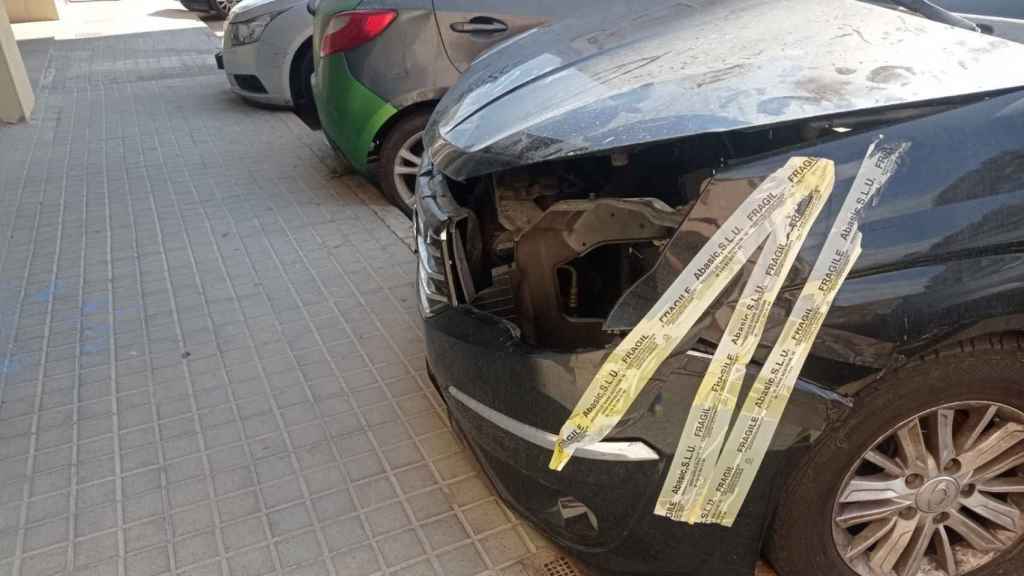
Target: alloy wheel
(407,167)
(942,492)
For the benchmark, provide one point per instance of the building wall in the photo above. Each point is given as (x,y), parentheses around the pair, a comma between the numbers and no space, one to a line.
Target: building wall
(31,10)
(16,99)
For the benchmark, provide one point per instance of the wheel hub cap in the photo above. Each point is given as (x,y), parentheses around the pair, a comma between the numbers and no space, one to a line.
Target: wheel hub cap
(940,493)
(937,496)
(407,167)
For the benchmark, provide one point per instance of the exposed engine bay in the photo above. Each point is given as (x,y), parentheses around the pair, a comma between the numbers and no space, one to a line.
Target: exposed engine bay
(553,247)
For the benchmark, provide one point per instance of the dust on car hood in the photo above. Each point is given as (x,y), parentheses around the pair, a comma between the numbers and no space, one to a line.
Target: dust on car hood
(684,68)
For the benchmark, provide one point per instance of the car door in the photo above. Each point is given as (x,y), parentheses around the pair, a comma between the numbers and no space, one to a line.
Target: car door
(468,27)
(1003,18)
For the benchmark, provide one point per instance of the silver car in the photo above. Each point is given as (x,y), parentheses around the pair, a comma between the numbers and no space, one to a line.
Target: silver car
(267,53)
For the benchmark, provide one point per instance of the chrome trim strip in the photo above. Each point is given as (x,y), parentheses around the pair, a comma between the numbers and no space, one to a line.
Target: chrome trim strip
(447,257)
(605,451)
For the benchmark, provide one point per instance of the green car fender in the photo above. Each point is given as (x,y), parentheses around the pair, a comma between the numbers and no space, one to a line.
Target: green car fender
(350,102)
(351,114)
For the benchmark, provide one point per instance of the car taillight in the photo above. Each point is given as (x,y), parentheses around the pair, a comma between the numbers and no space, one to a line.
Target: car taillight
(349,30)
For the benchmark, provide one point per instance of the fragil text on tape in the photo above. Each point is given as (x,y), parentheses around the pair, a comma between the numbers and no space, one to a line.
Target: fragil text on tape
(628,368)
(712,472)
(744,451)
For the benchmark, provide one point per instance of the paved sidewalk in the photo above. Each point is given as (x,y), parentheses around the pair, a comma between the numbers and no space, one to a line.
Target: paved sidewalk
(210,357)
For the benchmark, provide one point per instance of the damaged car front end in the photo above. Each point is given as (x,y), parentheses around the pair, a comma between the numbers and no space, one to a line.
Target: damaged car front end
(570,177)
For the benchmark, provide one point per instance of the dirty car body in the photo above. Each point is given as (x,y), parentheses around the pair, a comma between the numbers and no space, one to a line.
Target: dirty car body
(266,52)
(375,97)
(571,175)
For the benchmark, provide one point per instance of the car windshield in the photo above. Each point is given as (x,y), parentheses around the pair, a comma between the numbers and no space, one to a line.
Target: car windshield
(928,10)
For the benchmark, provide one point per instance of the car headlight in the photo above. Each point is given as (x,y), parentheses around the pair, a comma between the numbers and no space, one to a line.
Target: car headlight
(249,31)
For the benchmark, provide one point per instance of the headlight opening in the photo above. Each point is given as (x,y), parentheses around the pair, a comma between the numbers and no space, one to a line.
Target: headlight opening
(249,31)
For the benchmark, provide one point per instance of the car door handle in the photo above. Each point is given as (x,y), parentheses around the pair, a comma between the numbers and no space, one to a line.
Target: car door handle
(480,25)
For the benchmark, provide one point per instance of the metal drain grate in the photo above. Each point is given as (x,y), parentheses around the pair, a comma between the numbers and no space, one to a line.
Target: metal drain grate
(559,567)
(548,562)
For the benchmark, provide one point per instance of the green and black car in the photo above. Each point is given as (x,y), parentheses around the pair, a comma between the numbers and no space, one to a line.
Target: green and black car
(382,65)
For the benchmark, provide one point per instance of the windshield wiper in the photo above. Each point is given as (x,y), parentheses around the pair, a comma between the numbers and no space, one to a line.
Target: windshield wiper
(936,13)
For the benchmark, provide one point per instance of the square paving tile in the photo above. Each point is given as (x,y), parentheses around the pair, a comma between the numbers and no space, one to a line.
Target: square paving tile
(209,360)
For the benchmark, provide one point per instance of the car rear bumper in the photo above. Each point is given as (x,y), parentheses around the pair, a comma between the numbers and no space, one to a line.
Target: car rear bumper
(350,114)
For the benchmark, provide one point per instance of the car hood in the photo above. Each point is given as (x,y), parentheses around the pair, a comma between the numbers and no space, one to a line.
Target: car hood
(684,68)
(249,9)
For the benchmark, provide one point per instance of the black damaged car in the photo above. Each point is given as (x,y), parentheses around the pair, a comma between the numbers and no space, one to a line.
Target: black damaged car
(593,179)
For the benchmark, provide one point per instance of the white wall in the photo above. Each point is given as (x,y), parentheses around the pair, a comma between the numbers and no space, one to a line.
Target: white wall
(16,99)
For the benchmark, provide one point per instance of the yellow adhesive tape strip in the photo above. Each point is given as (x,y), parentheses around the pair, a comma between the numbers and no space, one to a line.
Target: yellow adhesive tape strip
(707,424)
(749,441)
(630,366)
(755,427)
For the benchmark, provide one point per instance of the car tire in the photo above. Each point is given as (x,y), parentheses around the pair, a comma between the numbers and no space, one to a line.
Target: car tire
(808,524)
(396,167)
(302,90)
(222,7)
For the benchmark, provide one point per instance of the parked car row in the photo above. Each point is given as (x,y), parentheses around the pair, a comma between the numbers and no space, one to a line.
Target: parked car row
(708,281)
(377,93)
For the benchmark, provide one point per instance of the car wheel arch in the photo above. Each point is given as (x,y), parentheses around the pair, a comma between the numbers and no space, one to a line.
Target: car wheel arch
(295,80)
(998,353)
(405,112)
(1008,342)
(1007,336)
(978,339)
